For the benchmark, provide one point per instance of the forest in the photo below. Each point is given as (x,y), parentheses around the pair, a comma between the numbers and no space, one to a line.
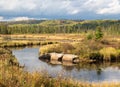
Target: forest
(59,26)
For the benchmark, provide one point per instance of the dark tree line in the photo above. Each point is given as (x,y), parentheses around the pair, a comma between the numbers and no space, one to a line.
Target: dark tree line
(109,26)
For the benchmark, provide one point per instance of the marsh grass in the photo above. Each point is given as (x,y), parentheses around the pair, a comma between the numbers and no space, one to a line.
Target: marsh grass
(59,48)
(24,43)
(109,53)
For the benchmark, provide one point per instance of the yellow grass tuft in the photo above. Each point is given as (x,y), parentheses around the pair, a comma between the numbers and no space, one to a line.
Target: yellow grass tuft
(108,52)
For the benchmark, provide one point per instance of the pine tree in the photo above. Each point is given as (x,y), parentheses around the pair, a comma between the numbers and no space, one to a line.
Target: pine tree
(98,33)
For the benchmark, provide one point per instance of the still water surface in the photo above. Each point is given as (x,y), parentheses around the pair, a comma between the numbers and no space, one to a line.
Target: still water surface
(84,72)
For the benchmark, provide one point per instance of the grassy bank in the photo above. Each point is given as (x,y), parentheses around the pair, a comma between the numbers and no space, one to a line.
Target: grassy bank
(15,43)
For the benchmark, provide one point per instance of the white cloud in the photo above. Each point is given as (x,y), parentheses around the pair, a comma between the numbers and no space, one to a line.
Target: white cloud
(21,18)
(1,18)
(73,7)
(103,6)
(74,12)
(113,8)
(14,5)
(40,6)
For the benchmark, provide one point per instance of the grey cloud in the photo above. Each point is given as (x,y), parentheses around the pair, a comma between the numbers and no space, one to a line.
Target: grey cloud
(53,8)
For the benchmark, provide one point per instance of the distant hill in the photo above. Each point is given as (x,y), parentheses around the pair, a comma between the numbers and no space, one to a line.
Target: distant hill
(44,22)
(23,22)
(26,22)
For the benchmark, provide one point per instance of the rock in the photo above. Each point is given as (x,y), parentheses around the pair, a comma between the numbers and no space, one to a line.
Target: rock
(45,57)
(56,56)
(60,58)
(70,58)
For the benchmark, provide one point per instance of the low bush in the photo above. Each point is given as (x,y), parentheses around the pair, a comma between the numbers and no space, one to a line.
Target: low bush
(105,42)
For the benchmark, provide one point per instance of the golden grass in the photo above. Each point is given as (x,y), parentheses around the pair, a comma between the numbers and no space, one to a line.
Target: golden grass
(59,48)
(108,52)
(47,48)
(47,36)
(17,43)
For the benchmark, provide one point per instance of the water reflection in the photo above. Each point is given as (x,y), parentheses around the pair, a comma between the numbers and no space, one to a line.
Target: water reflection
(54,62)
(93,72)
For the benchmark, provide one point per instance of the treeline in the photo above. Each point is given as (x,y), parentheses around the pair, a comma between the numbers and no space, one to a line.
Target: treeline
(59,26)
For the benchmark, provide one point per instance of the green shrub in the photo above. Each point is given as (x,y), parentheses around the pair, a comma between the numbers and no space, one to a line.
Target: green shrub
(90,36)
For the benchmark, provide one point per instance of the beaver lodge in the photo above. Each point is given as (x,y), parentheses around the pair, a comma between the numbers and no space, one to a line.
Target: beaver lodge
(60,57)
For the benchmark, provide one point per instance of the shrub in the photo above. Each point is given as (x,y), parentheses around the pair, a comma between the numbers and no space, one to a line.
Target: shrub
(105,42)
(119,52)
(90,36)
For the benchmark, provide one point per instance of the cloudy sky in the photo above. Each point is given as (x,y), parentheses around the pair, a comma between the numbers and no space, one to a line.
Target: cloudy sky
(59,9)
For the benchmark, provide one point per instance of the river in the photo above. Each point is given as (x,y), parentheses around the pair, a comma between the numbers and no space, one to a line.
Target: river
(29,56)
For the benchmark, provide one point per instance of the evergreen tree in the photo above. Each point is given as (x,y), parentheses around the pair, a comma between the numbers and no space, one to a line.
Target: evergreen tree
(98,33)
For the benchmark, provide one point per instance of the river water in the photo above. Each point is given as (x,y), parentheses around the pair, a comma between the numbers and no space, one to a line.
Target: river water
(84,72)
